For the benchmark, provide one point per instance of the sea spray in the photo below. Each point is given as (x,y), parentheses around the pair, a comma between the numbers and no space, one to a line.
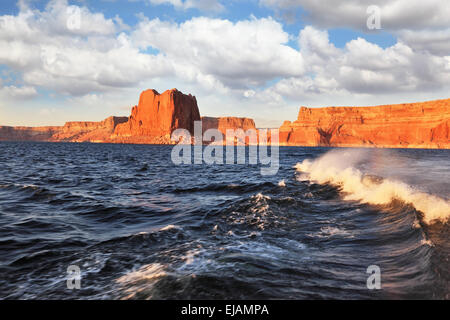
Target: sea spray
(343,168)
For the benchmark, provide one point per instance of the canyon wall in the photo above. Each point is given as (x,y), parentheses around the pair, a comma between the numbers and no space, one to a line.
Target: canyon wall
(88,131)
(152,121)
(80,131)
(27,133)
(229,123)
(413,125)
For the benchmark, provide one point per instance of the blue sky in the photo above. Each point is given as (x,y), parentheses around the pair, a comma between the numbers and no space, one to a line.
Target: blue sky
(254,58)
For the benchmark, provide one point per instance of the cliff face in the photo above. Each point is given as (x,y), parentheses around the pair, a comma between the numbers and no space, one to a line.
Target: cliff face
(416,125)
(70,132)
(227,123)
(157,116)
(152,121)
(27,133)
(88,131)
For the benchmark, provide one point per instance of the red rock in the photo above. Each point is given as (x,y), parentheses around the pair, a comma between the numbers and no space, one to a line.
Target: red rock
(414,125)
(157,116)
(152,121)
(80,131)
(225,123)
(27,133)
(228,123)
(88,131)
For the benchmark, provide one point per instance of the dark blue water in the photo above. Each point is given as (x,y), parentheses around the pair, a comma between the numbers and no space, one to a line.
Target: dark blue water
(140,227)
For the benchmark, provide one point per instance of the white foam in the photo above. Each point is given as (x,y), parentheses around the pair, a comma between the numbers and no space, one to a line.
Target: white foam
(327,232)
(261,197)
(282,183)
(169,227)
(141,280)
(338,167)
(426,242)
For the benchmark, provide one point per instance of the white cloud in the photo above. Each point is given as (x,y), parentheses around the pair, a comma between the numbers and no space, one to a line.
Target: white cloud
(245,53)
(434,41)
(215,53)
(422,25)
(363,69)
(395,14)
(95,57)
(228,65)
(204,5)
(17,93)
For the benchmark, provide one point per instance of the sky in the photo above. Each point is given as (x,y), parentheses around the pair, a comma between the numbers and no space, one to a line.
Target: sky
(84,60)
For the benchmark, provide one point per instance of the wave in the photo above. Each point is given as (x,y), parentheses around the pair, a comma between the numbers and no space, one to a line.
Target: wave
(341,168)
(140,282)
(229,187)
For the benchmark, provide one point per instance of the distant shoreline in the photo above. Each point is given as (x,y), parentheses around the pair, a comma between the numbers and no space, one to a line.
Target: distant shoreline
(423,125)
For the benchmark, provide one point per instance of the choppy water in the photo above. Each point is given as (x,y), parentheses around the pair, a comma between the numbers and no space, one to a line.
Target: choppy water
(140,227)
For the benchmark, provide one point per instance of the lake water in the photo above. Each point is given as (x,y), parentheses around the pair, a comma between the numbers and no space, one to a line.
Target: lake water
(139,227)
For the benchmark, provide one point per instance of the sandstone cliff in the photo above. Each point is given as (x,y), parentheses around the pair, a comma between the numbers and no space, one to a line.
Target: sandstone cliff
(228,123)
(71,132)
(157,116)
(152,121)
(88,131)
(225,123)
(415,125)
(27,133)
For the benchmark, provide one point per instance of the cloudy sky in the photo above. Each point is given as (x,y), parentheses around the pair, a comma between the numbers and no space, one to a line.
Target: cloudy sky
(66,60)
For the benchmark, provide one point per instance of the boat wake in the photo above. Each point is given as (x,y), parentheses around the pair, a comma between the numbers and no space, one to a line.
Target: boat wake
(345,169)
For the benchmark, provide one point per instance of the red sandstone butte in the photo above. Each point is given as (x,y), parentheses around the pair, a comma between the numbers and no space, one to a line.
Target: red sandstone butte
(157,116)
(413,125)
(228,123)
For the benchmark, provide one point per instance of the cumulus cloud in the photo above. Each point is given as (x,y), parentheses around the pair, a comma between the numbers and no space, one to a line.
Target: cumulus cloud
(204,5)
(89,55)
(245,53)
(17,93)
(422,25)
(362,68)
(94,55)
(435,41)
(395,14)
(250,63)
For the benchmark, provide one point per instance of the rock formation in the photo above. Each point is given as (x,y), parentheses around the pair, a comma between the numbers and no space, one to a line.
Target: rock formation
(152,121)
(89,131)
(228,123)
(414,125)
(27,133)
(225,123)
(157,116)
(71,132)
